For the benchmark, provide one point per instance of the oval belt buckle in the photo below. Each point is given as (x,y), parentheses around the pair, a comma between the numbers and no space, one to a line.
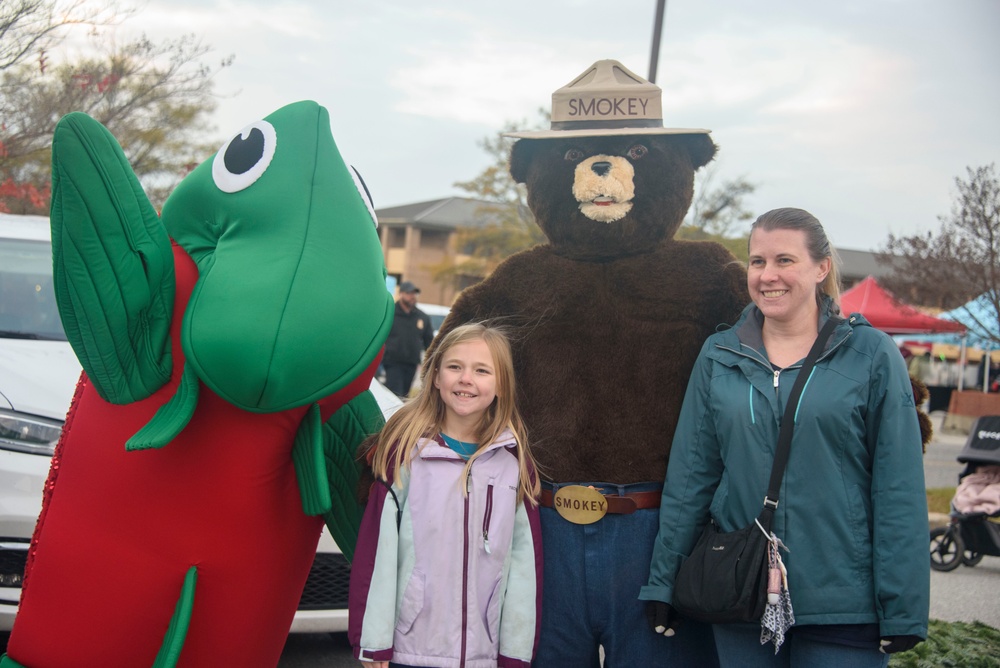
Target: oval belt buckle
(579,504)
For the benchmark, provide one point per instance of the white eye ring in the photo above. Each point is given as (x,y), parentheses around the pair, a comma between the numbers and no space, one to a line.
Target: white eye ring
(359,183)
(238,165)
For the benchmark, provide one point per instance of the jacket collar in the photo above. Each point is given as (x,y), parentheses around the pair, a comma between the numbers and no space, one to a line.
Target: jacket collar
(749,333)
(435,448)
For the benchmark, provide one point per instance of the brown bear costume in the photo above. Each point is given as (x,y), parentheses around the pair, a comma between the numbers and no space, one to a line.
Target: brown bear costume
(607,320)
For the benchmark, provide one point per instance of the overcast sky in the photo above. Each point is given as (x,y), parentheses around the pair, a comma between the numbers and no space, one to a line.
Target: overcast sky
(861,111)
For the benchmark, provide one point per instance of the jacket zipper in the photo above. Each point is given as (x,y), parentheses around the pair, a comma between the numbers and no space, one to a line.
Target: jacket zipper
(486,519)
(465,571)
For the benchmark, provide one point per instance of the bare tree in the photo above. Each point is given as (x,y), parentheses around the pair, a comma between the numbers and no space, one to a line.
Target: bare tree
(29,28)
(718,210)
(504,222)
(959,262)
(154,97)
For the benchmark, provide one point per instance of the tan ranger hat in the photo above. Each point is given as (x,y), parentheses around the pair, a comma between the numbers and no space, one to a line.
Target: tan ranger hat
(606,100)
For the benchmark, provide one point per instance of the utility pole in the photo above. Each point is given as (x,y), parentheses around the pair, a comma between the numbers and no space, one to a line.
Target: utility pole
(654,55)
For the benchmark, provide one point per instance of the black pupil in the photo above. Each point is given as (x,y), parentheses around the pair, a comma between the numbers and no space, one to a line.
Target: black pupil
(242,154)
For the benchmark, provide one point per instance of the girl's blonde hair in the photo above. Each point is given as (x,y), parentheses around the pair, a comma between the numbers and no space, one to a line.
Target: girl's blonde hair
(423,416)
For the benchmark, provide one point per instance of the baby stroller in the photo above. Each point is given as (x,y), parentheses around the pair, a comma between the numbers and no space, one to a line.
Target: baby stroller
(974,528)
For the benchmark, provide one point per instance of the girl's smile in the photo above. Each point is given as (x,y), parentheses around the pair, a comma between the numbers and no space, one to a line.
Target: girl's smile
(466,380)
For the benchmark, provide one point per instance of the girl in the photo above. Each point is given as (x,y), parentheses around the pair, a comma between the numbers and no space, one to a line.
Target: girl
(447,570)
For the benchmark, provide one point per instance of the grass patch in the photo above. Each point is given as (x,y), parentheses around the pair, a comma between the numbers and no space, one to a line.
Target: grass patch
(939,499)
(953,645)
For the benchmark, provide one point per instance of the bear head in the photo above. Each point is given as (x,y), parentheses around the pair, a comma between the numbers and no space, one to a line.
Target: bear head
(601,197)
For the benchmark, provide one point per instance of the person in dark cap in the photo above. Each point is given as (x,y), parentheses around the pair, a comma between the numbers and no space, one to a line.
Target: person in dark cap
(410,335)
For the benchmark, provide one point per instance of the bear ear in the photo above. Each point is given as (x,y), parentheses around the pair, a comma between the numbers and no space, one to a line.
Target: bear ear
(700,148)
(521,154)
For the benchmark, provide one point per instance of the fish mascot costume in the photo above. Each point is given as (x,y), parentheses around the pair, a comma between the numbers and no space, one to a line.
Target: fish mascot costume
(227,349)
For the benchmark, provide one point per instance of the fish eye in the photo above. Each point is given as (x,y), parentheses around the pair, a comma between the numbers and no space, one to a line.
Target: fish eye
(359,183)
(244,158)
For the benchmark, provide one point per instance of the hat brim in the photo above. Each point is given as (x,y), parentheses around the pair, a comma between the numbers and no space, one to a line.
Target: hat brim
(603,132)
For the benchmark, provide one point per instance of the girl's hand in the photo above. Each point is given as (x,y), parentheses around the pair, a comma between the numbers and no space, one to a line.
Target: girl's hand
(375,664)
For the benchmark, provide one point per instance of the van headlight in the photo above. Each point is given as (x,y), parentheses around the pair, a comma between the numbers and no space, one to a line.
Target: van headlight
(27,433)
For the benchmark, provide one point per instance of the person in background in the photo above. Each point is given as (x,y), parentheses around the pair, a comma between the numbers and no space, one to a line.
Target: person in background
(410,335)
(852,509)
(447,570)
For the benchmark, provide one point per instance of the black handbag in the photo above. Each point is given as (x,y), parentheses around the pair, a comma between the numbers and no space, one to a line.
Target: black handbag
(724,579)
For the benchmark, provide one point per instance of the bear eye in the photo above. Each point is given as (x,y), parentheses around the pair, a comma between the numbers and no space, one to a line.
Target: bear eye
(638,152)
(573,155)
(244,158)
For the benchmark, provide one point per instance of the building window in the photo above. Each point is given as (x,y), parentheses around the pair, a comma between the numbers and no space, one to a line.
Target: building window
(465,281)
(395,237)
(432,239)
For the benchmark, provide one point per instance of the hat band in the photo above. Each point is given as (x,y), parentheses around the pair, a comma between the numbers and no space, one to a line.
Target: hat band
(607,125)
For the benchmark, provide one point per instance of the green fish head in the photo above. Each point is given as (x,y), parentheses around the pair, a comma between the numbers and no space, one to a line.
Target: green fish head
(291,302)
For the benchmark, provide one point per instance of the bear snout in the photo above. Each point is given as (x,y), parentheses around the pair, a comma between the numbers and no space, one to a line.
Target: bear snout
(604,187)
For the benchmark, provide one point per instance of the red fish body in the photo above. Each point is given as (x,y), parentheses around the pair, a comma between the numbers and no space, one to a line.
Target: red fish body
(222,497)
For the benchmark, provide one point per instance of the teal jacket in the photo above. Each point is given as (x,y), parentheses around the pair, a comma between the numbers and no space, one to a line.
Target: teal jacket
(852,507)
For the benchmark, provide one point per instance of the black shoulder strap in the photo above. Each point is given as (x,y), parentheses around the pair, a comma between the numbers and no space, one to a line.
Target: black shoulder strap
(788,420)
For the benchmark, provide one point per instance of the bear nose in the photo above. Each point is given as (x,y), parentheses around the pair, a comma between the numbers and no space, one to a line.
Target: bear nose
(601,168)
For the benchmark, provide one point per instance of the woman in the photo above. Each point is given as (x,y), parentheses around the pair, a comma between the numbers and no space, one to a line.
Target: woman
(852,509)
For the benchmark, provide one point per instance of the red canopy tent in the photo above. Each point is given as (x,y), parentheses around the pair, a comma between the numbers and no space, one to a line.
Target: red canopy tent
(890,315)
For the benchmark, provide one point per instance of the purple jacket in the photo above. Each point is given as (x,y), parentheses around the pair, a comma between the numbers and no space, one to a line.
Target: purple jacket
(443,579)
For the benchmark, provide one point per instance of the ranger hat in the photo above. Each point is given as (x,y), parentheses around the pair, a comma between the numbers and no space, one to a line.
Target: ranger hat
(607,99)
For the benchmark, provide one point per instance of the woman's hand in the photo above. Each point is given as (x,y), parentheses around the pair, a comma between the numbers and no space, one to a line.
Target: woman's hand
(375,664)
(893,644)
(662,617)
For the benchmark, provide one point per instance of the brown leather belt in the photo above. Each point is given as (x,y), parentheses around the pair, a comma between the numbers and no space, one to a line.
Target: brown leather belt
(618,504)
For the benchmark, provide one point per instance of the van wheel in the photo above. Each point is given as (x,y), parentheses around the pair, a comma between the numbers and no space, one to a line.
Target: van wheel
(946,549)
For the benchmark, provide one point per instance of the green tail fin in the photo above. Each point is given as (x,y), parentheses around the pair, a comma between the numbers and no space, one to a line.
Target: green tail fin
(173,642)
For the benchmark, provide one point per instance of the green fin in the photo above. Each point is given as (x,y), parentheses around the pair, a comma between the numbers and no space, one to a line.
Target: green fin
(7,662)
(113,266)
(171,418)
(307,454)
(342,434)
(173,642)
(326,467)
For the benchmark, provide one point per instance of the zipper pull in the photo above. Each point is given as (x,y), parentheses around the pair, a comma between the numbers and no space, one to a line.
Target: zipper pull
(776,372)
(486,542)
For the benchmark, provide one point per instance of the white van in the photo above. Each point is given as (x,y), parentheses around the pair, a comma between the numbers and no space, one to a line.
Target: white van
(436,312)
(38,375)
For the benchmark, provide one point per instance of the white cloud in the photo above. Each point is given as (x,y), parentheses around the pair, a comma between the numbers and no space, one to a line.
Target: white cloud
(863,112)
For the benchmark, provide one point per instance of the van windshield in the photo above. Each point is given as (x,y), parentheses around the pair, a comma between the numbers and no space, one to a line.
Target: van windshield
(27,299)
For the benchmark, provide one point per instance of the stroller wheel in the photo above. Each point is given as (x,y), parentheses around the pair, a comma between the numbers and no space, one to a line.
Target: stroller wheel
(946,549)
(971,558)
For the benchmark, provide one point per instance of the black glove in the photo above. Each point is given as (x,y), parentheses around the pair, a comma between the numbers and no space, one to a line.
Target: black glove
(662,617)
(893,644)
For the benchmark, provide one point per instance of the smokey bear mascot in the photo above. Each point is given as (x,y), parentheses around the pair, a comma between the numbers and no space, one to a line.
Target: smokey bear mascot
(607,320)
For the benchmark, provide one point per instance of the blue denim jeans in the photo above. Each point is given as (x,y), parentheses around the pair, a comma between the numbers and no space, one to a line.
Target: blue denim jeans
(739,645)
(592,576)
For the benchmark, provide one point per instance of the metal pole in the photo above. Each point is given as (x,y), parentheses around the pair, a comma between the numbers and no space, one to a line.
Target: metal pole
(654,55)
